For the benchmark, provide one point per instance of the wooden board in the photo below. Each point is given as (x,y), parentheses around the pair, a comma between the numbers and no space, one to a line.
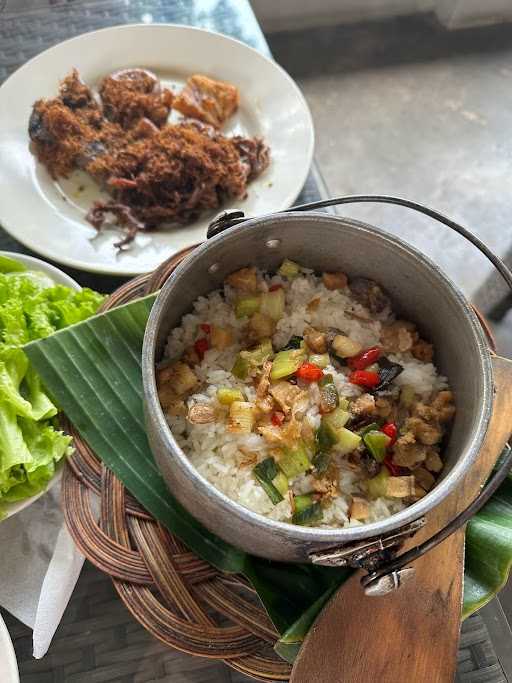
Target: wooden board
(410,635)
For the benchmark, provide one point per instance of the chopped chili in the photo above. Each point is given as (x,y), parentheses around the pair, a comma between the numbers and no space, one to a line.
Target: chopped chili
(364,378)
(394,470)
(365,358)
(309,372)
(277,418)
(273,288)
(201,346)
(390,429)
(206,327)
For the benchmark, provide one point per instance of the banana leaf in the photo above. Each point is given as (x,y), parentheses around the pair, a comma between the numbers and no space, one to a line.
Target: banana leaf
(93,371)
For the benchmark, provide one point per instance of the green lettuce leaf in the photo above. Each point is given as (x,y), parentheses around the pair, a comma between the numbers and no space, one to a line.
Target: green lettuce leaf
(31,308)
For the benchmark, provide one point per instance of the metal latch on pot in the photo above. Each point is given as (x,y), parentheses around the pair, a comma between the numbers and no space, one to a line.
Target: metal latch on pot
(366,554)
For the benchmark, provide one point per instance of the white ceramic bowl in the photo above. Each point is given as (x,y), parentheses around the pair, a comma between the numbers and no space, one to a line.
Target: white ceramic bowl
(59,278)
(48,216)
(8,666)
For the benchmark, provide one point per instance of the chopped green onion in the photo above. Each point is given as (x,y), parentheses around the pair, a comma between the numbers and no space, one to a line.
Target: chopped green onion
(280,481)
(377,486)
(288,269)
(226,395)
(265,472)
(295,461)
(320,359)
(324,437)
(321,462)
(257,356)
(376,442)
(241,368)
(286,363)
(246,306)
(303,502)
(309,516)
(272,304)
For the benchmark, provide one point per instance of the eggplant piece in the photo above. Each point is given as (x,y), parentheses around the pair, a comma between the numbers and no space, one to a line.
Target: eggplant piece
(388,371)
(369,294)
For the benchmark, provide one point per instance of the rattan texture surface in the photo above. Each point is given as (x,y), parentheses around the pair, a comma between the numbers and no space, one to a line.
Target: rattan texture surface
(98,641)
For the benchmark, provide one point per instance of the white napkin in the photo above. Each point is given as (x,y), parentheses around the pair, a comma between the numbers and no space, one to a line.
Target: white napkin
(39,567)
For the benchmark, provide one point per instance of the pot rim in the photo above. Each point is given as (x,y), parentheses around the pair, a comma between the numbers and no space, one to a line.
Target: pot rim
(322,536)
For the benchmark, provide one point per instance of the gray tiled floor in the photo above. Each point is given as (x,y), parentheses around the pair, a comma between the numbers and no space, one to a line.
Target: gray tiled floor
(406,107)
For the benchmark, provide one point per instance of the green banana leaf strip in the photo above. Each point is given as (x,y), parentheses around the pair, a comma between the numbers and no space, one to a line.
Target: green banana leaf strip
(94,370)
(488,550)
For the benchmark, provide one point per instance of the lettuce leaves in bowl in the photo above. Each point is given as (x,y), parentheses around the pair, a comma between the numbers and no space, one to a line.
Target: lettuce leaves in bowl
(31,444)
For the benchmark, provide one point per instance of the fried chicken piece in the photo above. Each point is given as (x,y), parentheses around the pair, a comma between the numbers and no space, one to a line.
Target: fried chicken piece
(363,405)
(398,337)
(425,432)
(130,95)
(334,281)
(264,379)
(75,94)
(423,351)
(208,100)
(244,280)
(285,394)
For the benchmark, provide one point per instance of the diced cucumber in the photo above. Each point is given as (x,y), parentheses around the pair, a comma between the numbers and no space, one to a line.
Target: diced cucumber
(241,368)
(286,363)
(289,269)
(377,442)
(322,360)
(347,441)
(337,419)
(272,304)
(246,306)
(294,461)
(377,486)
(226,395)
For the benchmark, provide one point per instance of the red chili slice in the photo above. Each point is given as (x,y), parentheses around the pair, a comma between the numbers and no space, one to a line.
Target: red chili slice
(273,288)
(277,418)
(201,346)
(364,378)
(309,372)
(364,359)
(390,429)
(206,327)
(394,470)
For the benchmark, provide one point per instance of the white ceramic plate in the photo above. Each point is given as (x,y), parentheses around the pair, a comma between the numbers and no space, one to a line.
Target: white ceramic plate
(8,665)
(59,278)
(49,217)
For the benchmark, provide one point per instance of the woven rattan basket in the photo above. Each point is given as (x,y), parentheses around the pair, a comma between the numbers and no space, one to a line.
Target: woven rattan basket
(180,599)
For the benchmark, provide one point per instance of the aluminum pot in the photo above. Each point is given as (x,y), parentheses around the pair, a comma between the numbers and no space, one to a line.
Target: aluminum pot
(420,291)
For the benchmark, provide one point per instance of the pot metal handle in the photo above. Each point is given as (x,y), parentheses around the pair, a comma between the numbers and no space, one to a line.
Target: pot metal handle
(385,576)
